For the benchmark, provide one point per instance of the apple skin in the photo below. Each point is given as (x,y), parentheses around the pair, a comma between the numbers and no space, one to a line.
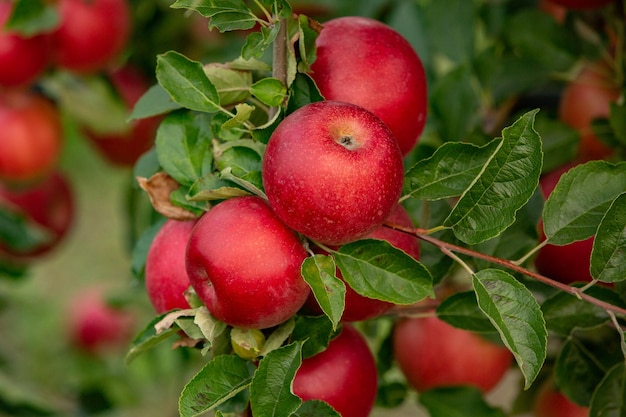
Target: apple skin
(31,137)
(331,192)
(125,149)
(358,307)
(166,277)
(244,264)
(95,327)
(344,375)
(367,63)
(22,59)
(552,403)
(566,263)
(581,4)
(432,354)
(586,98)
(50,204)
(90,34)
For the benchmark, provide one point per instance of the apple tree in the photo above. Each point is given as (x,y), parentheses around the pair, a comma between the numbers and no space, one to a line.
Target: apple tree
(512,181)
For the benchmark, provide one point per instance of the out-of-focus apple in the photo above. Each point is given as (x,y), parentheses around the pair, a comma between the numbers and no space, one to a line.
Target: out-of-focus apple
(550,402)
(332,171)
(581,4)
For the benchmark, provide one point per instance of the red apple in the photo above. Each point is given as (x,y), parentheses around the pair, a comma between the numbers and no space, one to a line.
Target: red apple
(166,275)
(244,264)
(48,204)
(125,149)
(367,63)
(551,402)
(332,171)
(97,327)
(344,375)
(581,4)
(556,11)
(432,354)
(586,98)
(31,136)
(358,307)
(91,33)
(22,58)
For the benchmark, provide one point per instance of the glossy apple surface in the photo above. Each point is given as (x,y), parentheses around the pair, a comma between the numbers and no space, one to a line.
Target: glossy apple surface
(244,264)
(581,4)
(31,136)
(567,263)
(586,98)
(344,375)
(432,354)
(22,58)
(358,307)
(550,402)
(91,33)
(96,327)
(332,171)
(166,277)
(125,149)
(48,204)
(367,63)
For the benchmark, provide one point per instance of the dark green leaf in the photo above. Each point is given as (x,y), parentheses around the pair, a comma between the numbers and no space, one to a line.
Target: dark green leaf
(19,233)
(514,311)
(210,187)
(306,43)
(319,271)
(506,183)
(391,394)
(303,92)
(183,145)
(315,408)
(608,257)
(31,17)
(376,269)
(608,399)
(448,172)
(461,310)
(580,200)
(186,82)
(450,28)
(141,248)
(221,379)
(225,15)
(617,122)
(559,142)
(314,332)
(270,391)
(577,372)
(457,402)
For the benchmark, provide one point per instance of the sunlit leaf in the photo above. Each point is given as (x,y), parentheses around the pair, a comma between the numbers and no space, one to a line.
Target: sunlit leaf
(319,272)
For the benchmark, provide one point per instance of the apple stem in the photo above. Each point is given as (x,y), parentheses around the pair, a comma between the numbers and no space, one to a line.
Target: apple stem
(449,247)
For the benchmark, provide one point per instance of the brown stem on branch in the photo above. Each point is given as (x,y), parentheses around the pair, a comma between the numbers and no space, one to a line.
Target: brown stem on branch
(576,292)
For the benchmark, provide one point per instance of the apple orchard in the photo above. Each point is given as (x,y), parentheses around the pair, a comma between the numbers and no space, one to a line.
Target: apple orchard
(332,209)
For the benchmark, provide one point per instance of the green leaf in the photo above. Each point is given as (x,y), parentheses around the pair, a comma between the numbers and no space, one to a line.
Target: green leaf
(183,145)
(153,102)
(608,399)
(457,402)
(580,200)
(506,183)
(270,391)
(214,331)
(376,269)
(319,271)
(315,408)
(219,380)
(314,332)
(186,82)
(141,248)
(559,142)
(148,338)
(270,91)
(608,257)
(20,233)
(225,15)
(278,336)
(306,43)
(232,85)
(514,311)
(461,310)
(577,372)
(450,28)
(449,171)
(303,91)
(210,187)
(617,121)
(565,312)
(31,17)
(243,111)
(258,42)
